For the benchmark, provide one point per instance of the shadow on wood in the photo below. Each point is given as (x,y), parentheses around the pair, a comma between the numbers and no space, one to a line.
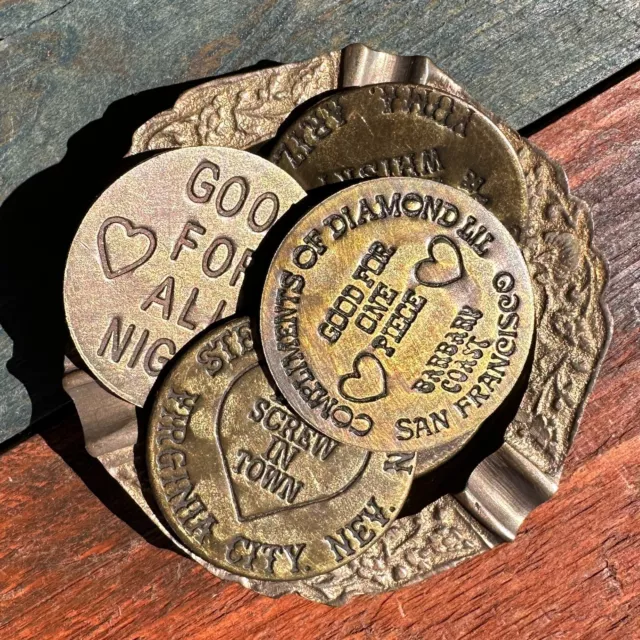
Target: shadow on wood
(68,443)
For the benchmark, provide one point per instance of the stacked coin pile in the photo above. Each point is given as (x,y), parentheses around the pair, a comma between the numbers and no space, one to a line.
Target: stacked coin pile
(309,328)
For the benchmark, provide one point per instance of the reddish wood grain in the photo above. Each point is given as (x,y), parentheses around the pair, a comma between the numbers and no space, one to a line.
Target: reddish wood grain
(70,568)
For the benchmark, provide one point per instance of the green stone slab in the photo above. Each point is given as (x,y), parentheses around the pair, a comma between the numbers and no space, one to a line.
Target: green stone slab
(63,63)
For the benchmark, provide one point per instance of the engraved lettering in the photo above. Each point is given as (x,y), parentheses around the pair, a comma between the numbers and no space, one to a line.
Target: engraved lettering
(153,362)
(242,194)
(267,197)
(359,531)
(229,253)
(162,295)
(184,240)
(207,188)
(113,334)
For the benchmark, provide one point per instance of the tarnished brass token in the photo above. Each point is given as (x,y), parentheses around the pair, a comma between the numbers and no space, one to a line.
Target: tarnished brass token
(397,315)
(404,130)
(249,486)
(161,255)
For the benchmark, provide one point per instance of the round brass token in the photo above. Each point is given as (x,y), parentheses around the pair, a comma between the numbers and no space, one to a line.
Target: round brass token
(161,255)
(406,130)
(397,315)
(249,486)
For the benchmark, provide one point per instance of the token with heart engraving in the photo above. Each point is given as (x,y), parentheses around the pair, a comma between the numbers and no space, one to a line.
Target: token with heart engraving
(162,254)
(397,315)
(409,130)
(249,486)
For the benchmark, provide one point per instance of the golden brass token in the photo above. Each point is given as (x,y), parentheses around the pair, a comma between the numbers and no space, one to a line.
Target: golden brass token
(404,130)
(397,315)
(161,255)
(249,486)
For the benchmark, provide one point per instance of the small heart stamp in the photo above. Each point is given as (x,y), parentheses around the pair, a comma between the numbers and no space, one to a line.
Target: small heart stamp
(131,230)
(367,382)
(442,266)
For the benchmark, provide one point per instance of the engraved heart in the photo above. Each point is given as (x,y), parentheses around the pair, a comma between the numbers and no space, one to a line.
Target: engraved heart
(132,231)
(273,460)
(367,382)
(443,264)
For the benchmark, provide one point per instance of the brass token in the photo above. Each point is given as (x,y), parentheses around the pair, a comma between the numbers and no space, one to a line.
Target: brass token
(397,315)
(161,255)
(410,130)
(249,486)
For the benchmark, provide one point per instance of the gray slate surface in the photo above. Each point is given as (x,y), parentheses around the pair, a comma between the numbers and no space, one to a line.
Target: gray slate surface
(64,62)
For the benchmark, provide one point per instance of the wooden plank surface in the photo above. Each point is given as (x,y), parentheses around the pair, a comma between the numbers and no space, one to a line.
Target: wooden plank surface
(78,561)
(63,62)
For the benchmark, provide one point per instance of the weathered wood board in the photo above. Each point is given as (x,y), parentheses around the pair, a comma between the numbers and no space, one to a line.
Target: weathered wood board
(84,563)
(64,62)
